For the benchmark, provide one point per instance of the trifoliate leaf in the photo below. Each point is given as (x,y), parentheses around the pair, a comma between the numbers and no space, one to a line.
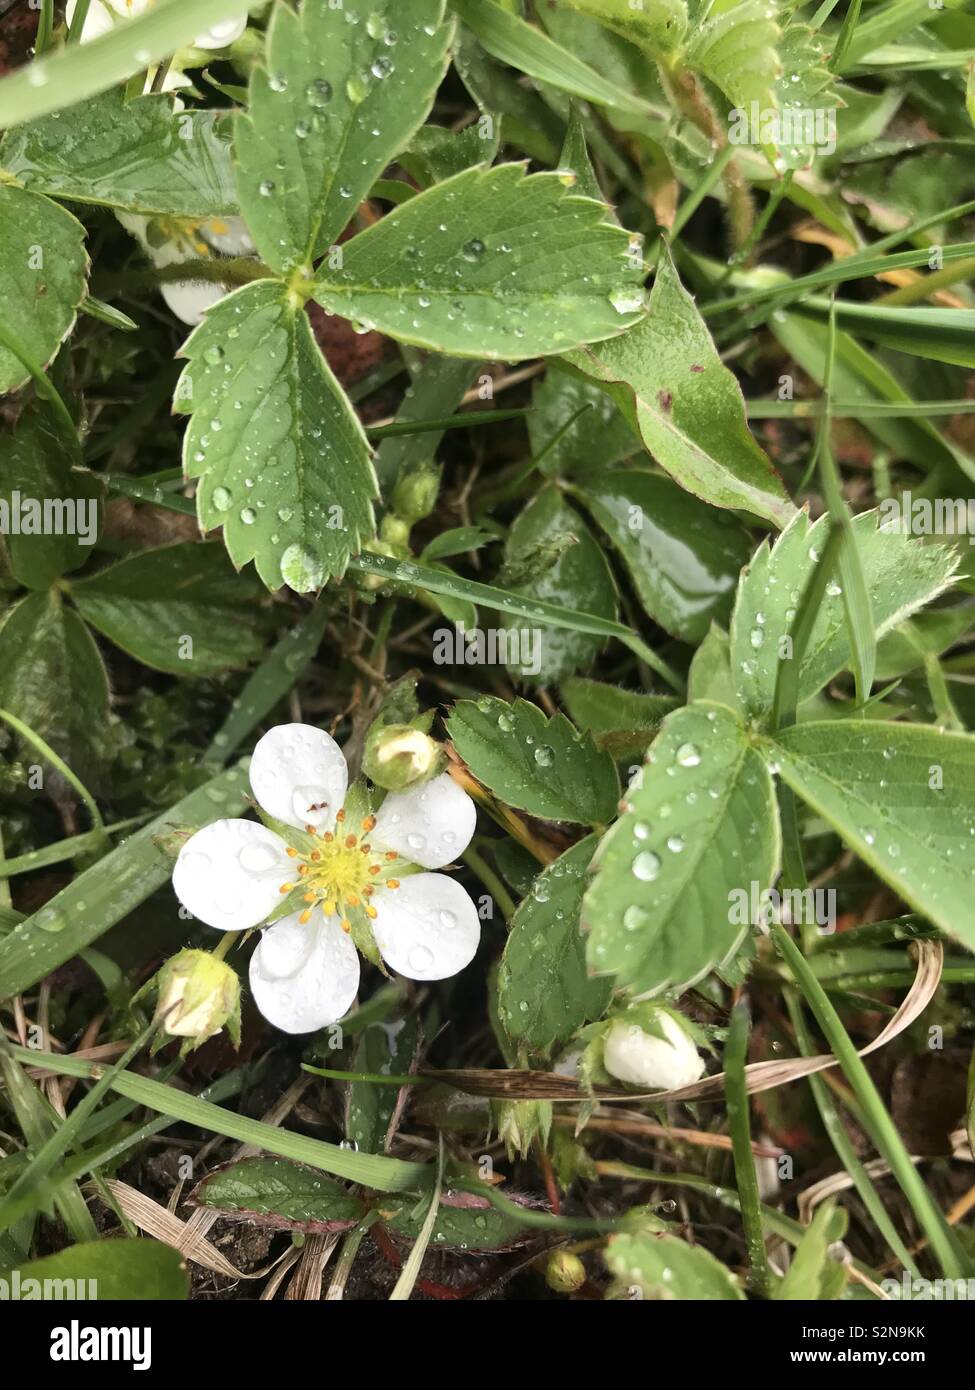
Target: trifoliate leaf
(902,574)
(284,464)
(700,822)
(542,766)
(42,280)
(491,263)
(341,92)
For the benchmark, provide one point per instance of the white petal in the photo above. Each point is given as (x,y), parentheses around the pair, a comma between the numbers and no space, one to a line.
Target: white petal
(657,1064)
(229,874)
(128,9)
(98,20)
(229,235)
(190,299)
(221,35)
(427,928)
(296,767)
(303,978)
(430,824)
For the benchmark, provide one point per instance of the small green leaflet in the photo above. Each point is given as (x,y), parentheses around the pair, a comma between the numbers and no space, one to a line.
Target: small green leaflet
(683,556)
(668,379)
(700,823)
(464,1221)
(578,577)
(901,572)
(342,90)
(656,27)
(137,155)
(539,765)
(42,280)
(53,678)
(278,1193)
(284,463)
(544,991)
(903,797)
(736,50)
(592,433)
(666,1267)
(150,603)
(602,708)
(490,263)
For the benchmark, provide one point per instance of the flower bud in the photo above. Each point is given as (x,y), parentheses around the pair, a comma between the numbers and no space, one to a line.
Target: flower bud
(655,1064)
(198,995)
(564,1272)
(415,495)
(395,531)
(398,756)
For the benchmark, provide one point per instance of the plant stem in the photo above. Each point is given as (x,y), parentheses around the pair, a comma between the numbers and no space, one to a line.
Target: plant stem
(736,1101)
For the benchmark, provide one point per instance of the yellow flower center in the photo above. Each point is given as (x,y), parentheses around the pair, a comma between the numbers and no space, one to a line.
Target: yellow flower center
(341,873)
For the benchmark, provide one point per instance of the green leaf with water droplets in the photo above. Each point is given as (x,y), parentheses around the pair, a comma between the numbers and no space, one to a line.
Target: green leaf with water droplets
(576,576)
(667,378)
(903,797)
(902,574)
(340,93)
(278,1193)
(545,993)
(283,462)
(42,280)
(539,765)
(491,263)
(700,823)
(140,155)
(683,556)
(465,1221)
(179,608)
(666,1267)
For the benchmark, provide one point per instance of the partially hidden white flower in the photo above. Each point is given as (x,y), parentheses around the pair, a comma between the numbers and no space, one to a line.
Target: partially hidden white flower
(170,242)
(304,973)
(104,14)
(657,1064)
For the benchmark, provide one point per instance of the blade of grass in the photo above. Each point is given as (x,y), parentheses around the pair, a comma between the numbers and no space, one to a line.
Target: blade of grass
(410,1272)
(372,1170)
(79,70)
(943,1241)
(736,1101)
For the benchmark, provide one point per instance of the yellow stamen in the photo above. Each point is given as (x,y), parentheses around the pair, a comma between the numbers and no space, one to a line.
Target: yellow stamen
(346,924)
(371,912)
(291,853)
(328,837)
(286,888)
(328,908)
(392,883)
(340,816)
(308,898)
(352,900)
(316,854)
(350,842)
(391,855)
(305,916)
(369,824)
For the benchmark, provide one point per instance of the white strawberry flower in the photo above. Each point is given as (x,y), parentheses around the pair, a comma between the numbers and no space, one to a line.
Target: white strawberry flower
(304,973)
(103,14)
